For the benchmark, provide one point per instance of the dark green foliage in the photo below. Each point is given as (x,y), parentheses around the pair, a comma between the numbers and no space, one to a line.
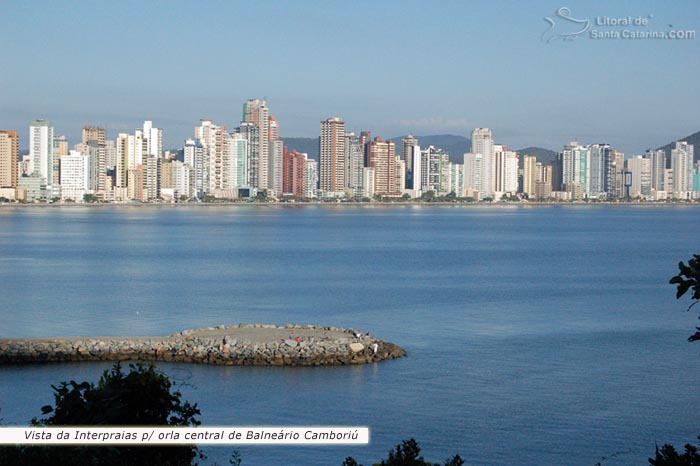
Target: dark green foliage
(668,456)
(407,453)
(689,278)
(142,397)
(350,461)
(454,461)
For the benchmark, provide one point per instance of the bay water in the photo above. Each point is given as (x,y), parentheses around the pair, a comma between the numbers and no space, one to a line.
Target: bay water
(536,335)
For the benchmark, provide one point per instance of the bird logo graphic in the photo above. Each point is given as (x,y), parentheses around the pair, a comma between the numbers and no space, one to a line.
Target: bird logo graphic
(567,27)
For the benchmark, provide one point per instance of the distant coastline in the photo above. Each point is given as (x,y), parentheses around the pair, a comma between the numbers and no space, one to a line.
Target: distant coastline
(347,204)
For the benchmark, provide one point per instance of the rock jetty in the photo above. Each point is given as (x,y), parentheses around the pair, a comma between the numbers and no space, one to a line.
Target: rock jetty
(232,345)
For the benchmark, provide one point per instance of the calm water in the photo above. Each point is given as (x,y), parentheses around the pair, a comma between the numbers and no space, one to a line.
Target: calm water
(543,335)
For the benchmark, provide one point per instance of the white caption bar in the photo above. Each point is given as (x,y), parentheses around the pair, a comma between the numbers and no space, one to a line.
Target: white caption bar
(184,435)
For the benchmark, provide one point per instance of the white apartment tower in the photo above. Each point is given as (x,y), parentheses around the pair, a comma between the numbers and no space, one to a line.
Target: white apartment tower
(482,143)
(682,166)
(41,150)
(75,176)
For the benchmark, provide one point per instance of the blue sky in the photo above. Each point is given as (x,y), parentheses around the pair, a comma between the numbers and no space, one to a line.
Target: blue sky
(391,67)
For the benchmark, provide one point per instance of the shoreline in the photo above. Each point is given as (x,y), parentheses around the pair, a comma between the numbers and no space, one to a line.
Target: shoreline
(476,205)
(232,345)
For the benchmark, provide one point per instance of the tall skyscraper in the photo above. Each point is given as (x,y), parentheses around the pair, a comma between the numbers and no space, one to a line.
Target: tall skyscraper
(640,172)
(41,150)
(238,161)
(575,167)
(529,175)
(506,170)
(255,111)
(599,156)
(276,154)
(407,145)
(354,163)
(9,159)
(95,136)
(472,173)
(122,165)
(311,178)
(154,139)
(195,157)
(382,158)
(205,134)
(682,166)
(251,133)
(417,172)
(658,167)
(482,143)
(332,155)
(543,185)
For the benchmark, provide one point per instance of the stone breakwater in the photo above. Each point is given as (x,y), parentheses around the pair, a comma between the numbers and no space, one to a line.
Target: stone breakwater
(232,345)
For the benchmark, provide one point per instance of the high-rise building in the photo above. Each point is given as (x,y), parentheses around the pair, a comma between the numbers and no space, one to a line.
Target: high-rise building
(407,145)
(482,143)
(275,169)
(205,134)
(506,170)
(332,157)
(529,175)
(60,148)
(297,174)
(400,175)
(153,179)
(682,166)
(457,179)
(417,172)
(9,159)
(365,137)
(472,172)
(195,158)
(75,176)
(136,183)
(255,111)
(154,139)
(311,178)
(599,171)
(238,168)
(575,166)
(95,136)
(658,167)
(381,156)
(354,162)
(251,133)
(543,183)
(616,183)
(41,150)
(640,172)
(93,133)
(368,179)
(434,170)
(95,153)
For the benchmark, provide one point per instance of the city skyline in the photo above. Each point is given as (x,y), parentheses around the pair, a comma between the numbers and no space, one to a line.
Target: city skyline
(400,68)
(252,161)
